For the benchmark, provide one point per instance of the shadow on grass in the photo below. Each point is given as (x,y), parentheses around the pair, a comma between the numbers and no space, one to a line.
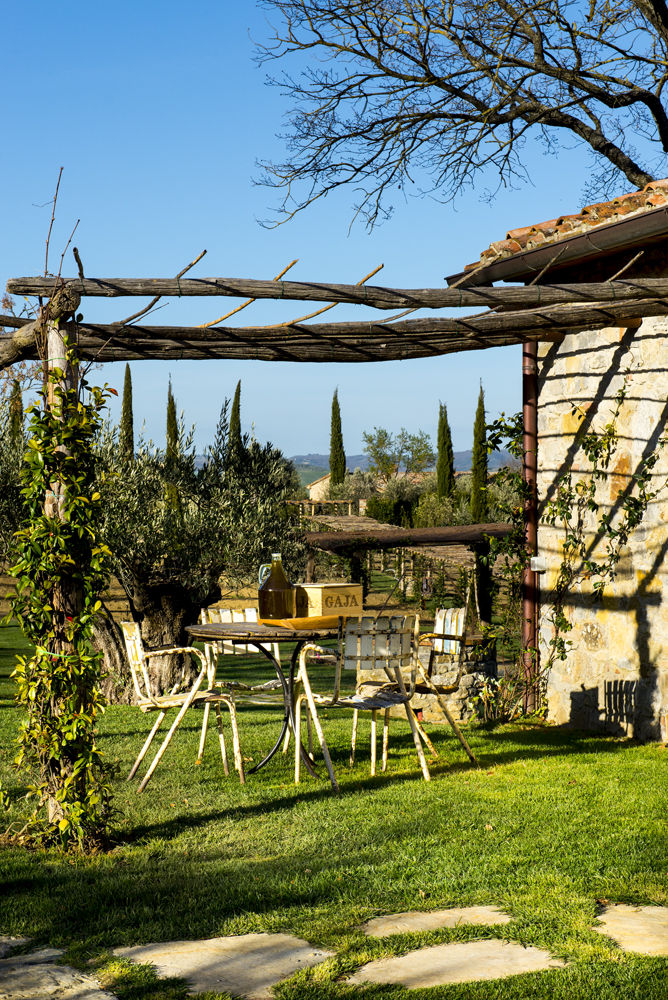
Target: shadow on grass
(303,794)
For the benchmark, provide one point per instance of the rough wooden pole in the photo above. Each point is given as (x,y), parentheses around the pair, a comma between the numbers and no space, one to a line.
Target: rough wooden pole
(373,296)
(310,566)
(529,589)
(67,599)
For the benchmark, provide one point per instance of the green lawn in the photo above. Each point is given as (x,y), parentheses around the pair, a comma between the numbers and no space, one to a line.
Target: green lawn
(549,826)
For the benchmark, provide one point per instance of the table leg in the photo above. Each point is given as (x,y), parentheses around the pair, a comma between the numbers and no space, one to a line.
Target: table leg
(287,684)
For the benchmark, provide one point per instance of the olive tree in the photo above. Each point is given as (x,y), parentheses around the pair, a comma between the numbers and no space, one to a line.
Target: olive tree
(170,557)
(393,456)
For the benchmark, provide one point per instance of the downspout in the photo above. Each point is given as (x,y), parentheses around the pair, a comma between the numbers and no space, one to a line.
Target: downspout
(529,468)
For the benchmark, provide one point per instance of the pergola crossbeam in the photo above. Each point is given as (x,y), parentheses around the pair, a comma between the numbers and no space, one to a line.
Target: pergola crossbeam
(326,342)
(374,296)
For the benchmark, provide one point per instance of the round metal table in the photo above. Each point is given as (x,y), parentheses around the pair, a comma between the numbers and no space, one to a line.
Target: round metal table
(256,634)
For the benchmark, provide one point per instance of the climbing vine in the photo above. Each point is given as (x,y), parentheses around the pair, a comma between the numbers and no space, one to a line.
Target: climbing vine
(60,570)
(586,529)
(576,509)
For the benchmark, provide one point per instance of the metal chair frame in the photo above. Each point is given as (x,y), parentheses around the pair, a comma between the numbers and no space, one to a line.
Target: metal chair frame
(366,644)
(148,701)
(222,616)
(448,638)
(270,693)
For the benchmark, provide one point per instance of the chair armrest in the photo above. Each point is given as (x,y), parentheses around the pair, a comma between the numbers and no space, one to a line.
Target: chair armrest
(429,637)
(320,655)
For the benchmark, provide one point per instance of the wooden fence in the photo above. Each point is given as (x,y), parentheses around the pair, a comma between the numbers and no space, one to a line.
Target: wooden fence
(114,598)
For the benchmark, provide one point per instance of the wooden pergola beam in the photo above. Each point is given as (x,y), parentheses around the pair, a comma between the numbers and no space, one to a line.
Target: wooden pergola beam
(395,538)
(326,342)
(370,295)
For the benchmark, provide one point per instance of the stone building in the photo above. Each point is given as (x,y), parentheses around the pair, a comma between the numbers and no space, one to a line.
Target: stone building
(615,675)
(319,488)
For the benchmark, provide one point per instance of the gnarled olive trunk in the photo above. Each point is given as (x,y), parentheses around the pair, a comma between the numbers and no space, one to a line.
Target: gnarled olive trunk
(163,611)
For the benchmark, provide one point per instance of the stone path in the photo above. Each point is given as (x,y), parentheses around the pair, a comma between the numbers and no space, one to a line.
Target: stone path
(36,977)
(643,929)
(417,920)
(247,964)
(251,965)
(8,944)
(459,962)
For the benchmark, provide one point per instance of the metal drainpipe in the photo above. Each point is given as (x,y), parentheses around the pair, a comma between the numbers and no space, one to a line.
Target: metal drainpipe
(530,449)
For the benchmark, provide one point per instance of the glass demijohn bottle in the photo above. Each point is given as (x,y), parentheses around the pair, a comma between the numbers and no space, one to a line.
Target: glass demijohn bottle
(276,596)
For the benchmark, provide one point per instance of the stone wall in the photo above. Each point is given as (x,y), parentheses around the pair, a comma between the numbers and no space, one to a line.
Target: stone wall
(615,677)
(461,703)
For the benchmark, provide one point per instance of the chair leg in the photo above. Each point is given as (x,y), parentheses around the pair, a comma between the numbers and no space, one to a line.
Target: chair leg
(149,740)
(221,740)
(458,733)
(297,735)
(205,723)
(374,715)
(309,730)
(386,737)
(318,728)
(236,745)
(425,738)
(156,760)
(412,721)
(447,713)
(353,737)
(286,741)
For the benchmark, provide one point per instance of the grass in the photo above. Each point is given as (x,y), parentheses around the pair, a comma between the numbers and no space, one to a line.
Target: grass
(548,827)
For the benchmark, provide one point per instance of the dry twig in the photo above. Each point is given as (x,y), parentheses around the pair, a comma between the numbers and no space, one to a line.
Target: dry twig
(142,312)
(300,319)
(248,301)
(53,216)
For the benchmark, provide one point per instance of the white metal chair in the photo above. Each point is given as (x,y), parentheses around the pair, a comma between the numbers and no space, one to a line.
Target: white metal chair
(447,647)
(380,650)
(217,616)
(180,697)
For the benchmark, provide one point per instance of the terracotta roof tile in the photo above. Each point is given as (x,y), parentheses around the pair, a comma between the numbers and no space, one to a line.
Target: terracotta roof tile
(653,195)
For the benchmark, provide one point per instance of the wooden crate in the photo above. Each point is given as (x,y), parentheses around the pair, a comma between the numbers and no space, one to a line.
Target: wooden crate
(319,599)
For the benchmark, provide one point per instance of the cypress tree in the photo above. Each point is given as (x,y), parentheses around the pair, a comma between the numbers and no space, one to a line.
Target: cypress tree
(337,456)
(172,433)
(479,464)
(445,463)
(16,413)
(235,443)
(126,436)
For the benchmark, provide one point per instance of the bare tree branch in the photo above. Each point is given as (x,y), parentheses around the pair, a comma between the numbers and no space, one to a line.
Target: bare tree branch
(400,89)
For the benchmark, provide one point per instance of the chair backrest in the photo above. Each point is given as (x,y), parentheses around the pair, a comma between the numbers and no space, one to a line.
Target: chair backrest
(384,643)
(225,615)
(135,650)
(449,622)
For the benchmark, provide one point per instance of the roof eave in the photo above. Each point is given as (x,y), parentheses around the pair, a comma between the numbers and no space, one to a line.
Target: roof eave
(637,230)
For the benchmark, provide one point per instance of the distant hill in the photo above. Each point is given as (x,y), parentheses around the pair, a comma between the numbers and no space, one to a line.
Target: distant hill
(311,467)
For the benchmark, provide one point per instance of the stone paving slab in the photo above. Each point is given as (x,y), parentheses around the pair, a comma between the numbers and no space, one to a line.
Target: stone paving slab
(9,943)
(643,929)
(414,921)
(247,964)
(459,962)
(35,977)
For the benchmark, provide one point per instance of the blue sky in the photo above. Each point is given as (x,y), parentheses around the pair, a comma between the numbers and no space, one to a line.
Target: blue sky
(158,113)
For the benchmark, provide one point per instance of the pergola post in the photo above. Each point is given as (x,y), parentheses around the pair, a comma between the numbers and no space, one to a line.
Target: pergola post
(529,468)
(67,599)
